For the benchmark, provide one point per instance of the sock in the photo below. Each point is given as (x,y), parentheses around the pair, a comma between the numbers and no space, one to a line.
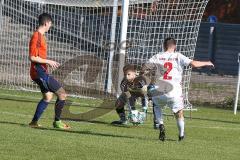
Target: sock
(121,113)
(180,124)
(58,109)
(144,104)
(42,105)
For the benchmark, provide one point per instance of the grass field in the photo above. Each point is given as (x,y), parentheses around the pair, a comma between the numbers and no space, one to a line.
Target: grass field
(212,134)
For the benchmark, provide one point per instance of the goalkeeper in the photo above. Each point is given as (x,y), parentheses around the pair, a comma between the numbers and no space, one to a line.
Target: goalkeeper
(131,87)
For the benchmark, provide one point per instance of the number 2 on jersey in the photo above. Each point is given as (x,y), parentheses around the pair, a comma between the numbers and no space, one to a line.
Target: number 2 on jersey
(168,66)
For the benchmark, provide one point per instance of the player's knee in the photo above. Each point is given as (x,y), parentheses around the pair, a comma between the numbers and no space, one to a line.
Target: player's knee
(156,105)
(119,105)
(47,97)
(61,94)
(179,115)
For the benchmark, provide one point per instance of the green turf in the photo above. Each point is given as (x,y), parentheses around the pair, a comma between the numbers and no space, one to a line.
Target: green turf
(212,134)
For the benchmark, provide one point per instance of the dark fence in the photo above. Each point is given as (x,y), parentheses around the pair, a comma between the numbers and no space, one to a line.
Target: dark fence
(223,49)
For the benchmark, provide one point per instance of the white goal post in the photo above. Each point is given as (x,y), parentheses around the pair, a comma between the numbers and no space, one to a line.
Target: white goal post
(237,88)
(88,39)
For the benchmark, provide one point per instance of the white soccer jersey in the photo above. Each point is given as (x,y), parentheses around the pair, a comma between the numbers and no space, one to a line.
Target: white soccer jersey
(173,64)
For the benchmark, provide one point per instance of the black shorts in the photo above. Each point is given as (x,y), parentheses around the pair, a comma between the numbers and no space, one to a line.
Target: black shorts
(49,85)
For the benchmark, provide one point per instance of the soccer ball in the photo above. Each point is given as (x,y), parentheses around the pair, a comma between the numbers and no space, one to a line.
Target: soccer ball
(136,117)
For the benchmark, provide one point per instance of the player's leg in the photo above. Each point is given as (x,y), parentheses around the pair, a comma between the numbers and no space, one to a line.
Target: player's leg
(157,103)
(177,108)
(150,89)
(133,115)
(43,103)
(60,102)
(144,100)
(131,103)
(143,114)
(58,90)
(155,122)
(180,123)
(120,103)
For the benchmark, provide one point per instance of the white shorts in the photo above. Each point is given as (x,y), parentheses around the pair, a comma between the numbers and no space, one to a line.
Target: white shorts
(175,103)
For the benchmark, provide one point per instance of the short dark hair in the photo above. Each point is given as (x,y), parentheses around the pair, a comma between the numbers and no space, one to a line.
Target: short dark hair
(44,18)
(129,67)
(168,42)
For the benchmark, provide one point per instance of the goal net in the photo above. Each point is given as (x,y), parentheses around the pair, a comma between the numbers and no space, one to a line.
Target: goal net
(85,39)
(150,23)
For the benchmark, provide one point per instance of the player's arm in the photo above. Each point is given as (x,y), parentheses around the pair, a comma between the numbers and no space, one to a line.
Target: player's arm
(140,86)
(185,61)
(148,70)
(53,64)
(196,64)
(124,88)
(152,70)
(147,67)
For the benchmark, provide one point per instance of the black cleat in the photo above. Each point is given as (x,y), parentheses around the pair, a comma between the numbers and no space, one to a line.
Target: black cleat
(119,122)
(180,138)
(162,132)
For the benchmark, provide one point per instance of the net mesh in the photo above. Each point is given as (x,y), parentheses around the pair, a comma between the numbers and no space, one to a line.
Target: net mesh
(81,39)
(77,41)
(151,23)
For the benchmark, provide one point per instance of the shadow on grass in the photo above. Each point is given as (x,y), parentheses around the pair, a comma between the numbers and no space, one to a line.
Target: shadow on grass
(85,132)
(87,121)
(170,140)
(99,122)
(14,123)
(122,126)
(90,132)
(74,131)
(19,100)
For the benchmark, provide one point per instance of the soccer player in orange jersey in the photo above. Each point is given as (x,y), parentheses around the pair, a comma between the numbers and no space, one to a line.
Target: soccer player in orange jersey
(39,74)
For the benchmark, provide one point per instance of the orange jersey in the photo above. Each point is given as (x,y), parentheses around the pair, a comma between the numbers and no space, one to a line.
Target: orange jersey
(37,48)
